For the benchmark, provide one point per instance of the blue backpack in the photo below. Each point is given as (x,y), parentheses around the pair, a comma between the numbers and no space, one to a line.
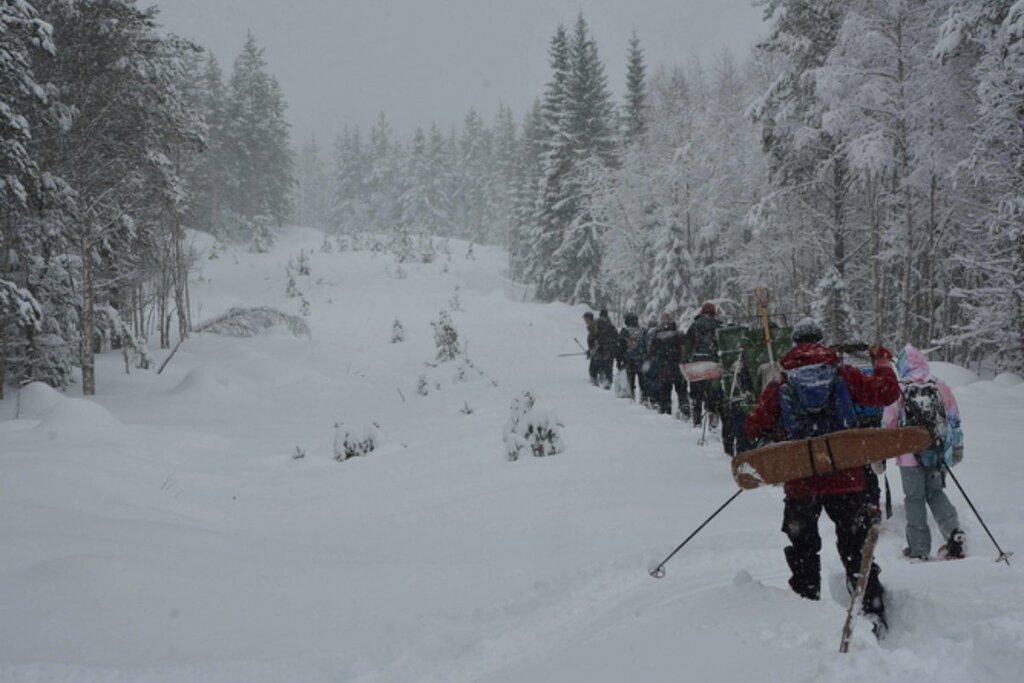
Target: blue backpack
(815,400)
(635,343)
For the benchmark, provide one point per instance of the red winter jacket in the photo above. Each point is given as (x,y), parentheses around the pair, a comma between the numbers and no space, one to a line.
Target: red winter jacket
(879,389)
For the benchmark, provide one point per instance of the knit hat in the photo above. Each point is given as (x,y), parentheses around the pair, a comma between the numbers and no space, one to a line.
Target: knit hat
(708,309)
(807,330)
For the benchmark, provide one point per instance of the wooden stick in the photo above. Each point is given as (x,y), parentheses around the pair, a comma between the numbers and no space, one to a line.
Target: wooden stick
(867,557)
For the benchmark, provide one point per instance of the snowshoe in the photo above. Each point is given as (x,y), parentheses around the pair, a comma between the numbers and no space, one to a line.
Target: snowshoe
(954,549)
(879,625)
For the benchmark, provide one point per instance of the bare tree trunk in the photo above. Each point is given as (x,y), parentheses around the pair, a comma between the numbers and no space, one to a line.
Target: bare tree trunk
(87,352)
(839,322)
(180,280)
(877,284)
(928,261)
(3,354)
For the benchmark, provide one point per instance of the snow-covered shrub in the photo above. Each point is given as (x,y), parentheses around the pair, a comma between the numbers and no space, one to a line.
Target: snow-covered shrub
(466,370)
(299,453)
(529,430)
(239,321)
(401,244)
(304,308)
(465,409)
(423,386)
(291,289)
(425,249)
(469,252)
(263,235)
(326,247)
(303,263)
(397,332)
(446,338)
(351,443)
(454,302)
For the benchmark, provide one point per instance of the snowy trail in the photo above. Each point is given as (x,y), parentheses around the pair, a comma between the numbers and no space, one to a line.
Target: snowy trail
(163,532)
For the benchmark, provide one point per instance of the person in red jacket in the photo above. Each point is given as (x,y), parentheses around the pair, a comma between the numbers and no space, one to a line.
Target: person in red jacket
(843,495)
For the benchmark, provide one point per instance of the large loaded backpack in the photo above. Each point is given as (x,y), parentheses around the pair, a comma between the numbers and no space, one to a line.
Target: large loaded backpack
(923,407)
(635,344)
(815,400)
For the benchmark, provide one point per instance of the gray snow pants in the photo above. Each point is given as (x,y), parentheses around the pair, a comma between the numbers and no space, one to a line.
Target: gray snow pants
(925,485)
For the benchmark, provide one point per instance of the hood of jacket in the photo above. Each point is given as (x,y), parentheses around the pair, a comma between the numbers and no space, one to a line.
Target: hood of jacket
(911,365)
(809,353)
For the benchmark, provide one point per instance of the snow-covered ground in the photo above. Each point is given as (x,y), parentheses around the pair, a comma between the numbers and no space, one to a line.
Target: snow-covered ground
(163,531)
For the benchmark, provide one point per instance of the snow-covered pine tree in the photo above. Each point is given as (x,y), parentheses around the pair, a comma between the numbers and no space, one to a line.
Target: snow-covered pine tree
(446,338)
(124,164)
(259,153)
(634,113)
(806,161)
(994,242)
(529,430)
(312,201)
(578,139)
(350,199)
(397,332)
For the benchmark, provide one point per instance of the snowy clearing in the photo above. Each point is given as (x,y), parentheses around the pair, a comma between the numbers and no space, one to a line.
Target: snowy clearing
(165,531)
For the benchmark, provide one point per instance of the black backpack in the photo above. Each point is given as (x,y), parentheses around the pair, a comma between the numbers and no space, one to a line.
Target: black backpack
(923,407)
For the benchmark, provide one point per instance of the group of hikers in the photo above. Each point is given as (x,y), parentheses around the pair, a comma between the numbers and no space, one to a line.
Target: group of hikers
(651,358)
(814,393)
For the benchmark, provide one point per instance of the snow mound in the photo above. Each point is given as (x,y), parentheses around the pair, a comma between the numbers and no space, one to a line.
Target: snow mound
(1008,379)
(204,382)
(76,417)
(36,399)
(953,375)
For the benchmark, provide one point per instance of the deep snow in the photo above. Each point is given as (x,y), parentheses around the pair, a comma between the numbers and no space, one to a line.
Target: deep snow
(162,531)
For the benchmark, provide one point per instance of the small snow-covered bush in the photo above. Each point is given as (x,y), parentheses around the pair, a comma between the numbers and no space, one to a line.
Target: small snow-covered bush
(351,443)
(529,430)
(454,303)
(291,289)
(303,263)
(263,236)
(446,338)
(397,332)
(423,386)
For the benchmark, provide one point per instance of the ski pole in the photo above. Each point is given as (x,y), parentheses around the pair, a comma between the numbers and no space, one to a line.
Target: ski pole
(576,353)
(1003,555)
(579,345)
(659,571)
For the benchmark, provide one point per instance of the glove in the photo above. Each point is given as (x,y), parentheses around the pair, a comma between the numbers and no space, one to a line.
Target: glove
(879,354)
(958,455)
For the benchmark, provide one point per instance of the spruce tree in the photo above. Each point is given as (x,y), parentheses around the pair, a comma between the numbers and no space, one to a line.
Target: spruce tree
(634,114)
(257,135)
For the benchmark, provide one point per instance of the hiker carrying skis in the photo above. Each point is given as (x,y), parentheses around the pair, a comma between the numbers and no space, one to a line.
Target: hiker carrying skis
(814,396)
(927,402)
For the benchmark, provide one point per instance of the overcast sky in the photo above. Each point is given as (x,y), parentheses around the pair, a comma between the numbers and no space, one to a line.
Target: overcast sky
(342,61)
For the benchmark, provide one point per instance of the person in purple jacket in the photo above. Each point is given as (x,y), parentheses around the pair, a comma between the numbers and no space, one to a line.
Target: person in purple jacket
(927,401)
